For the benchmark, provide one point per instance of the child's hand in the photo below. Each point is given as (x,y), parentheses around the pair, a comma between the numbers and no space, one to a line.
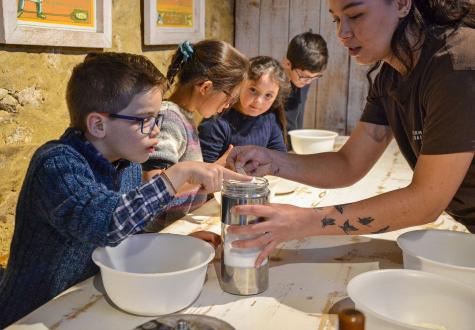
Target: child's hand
(208,236)
(222,160)
(209,176)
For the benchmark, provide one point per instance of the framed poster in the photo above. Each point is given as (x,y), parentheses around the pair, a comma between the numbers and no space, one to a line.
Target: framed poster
(72,23)
(173,21)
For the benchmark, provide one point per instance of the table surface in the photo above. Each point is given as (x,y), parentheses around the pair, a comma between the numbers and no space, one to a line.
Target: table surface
(307,278)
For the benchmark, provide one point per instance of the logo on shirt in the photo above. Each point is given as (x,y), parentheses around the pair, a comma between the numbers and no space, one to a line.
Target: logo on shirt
(417,135)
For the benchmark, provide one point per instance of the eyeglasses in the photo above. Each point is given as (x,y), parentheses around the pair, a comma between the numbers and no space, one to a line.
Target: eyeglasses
(307,79)
(232,99)
(147,124)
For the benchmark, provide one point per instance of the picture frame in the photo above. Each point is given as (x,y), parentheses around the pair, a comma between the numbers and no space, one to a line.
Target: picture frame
(77,23)
(170,22)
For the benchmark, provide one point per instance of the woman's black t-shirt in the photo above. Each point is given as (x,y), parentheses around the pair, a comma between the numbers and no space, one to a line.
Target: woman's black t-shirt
(432,110)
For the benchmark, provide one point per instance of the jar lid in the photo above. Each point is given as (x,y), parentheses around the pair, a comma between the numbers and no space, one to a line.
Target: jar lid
(257,186)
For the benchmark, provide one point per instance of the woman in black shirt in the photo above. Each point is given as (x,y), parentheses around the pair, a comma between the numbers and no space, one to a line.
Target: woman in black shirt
(423,96)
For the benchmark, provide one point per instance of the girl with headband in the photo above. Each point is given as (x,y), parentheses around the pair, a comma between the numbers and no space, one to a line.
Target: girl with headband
(208,76)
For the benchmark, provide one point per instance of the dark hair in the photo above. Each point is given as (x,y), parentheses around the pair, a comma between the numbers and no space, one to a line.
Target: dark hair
(107,82)
(261,65)
(212,60)
(424,16)
(308,51)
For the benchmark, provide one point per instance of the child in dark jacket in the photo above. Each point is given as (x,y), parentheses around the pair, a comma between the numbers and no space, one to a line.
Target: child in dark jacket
(258,118)
(84,190)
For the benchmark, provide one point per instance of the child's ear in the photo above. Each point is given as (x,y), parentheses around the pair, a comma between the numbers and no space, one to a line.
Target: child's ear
(286,64)
(205,87)
(96,125)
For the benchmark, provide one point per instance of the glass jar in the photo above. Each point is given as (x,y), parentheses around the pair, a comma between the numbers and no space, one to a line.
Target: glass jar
(238,272)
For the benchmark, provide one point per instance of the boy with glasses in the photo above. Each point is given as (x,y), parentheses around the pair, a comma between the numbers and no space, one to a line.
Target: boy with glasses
(84,190)
(307,57)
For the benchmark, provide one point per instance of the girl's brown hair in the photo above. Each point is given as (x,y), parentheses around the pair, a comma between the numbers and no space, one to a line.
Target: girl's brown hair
(212,60)
(261,65)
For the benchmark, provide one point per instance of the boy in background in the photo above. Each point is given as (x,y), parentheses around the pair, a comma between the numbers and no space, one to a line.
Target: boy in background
(307,57)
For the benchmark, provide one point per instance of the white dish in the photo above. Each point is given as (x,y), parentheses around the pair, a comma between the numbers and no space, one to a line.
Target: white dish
(311,141)
(401,299)
(217,196)
(154,274)
(286,187)
(444,252)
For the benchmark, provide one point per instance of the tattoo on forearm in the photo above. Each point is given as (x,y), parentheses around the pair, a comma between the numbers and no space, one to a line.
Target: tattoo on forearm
(366,221)
(348,228)
(328,222)
(339,208)
(382,230)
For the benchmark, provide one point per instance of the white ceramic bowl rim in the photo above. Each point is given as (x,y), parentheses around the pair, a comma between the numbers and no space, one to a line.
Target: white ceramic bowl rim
(440,263)
(326,134)
(417,273)
(165,274)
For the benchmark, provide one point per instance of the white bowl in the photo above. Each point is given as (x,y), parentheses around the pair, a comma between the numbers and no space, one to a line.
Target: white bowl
(280,186)
(154,274)
(397,299)
(444,252)
(312,141)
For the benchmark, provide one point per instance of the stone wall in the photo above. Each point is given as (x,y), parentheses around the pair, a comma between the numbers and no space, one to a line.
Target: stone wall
(32,87)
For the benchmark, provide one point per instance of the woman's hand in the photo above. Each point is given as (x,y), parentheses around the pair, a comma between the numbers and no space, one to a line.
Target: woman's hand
(253,160)
(283,223)
(209,176)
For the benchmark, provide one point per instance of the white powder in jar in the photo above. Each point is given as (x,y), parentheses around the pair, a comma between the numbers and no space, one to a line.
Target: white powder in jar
(239,257)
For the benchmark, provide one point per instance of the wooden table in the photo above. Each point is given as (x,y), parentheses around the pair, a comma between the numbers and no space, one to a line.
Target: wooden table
(307,277)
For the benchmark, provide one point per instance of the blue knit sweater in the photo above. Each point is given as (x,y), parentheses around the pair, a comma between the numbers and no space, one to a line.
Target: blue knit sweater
(295,107)
(232,127)
(64,211)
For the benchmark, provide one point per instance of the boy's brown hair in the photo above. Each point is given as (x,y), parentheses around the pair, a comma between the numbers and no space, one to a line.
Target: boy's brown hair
(107,82)
(308,51)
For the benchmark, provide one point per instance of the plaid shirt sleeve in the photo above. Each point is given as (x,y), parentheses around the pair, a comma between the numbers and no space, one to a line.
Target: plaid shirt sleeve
(136,208)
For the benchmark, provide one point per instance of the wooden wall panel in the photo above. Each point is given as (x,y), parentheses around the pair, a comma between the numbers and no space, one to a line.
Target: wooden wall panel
(333,88)
(265,27)
(305,16)
(358,89)
(247,26)
(274,28)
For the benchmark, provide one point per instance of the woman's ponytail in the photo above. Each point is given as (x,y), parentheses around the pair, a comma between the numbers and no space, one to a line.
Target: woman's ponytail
(447,12)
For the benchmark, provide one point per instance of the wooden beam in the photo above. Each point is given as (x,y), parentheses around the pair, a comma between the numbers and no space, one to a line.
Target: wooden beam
(247,26)
(333,88)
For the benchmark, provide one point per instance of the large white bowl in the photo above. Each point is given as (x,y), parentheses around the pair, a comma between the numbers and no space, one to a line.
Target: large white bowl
(312,141)
(443,252)
(154,274)
(401,299)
